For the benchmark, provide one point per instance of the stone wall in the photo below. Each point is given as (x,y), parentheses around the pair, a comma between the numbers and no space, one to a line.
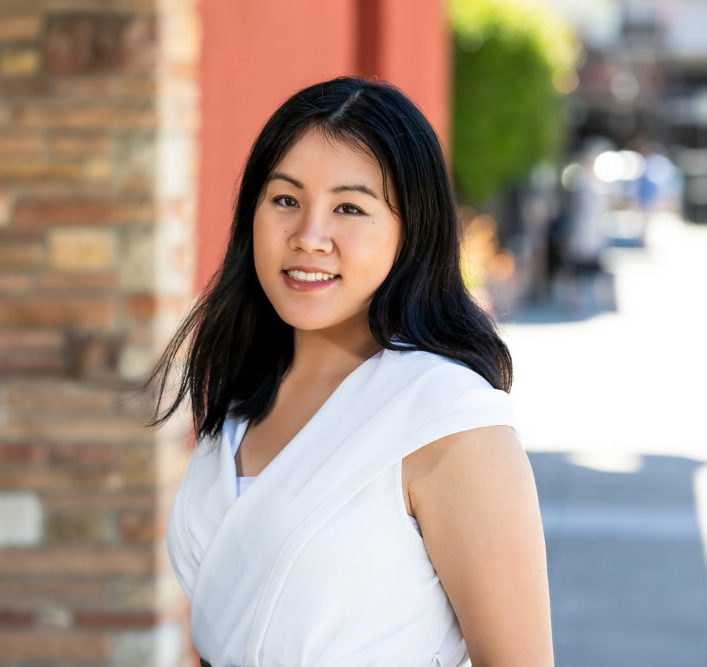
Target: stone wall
(98,126)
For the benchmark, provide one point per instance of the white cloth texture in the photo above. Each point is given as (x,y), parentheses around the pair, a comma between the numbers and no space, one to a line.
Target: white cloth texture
(244,481)
(318,565)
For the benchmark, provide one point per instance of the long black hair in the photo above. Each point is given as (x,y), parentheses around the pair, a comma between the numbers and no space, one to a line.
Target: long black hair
(239,348)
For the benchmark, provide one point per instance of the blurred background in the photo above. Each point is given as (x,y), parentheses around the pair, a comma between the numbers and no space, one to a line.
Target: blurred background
(576,133)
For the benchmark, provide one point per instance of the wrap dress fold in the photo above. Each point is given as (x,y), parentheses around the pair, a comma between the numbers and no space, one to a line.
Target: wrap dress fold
(319,564)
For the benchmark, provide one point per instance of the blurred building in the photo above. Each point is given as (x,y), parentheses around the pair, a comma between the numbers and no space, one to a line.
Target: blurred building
(645,80)
(123,129)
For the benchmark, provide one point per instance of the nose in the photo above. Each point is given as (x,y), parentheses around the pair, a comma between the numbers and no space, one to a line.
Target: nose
(312,234)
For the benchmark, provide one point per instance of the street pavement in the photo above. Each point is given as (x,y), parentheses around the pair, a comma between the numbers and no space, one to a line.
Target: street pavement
(611,407)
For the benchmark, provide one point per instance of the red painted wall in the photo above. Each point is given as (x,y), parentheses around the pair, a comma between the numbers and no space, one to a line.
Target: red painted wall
(257,52)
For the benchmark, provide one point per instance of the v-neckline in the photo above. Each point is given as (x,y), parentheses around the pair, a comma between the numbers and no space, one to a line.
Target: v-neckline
(242,425)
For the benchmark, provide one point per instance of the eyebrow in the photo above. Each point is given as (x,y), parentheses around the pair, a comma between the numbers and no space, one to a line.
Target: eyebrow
(339,188)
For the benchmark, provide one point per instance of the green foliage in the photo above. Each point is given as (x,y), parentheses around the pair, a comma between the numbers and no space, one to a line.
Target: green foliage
(512,59)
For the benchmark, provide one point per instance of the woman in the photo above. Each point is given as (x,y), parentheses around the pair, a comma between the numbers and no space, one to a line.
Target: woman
(338,368)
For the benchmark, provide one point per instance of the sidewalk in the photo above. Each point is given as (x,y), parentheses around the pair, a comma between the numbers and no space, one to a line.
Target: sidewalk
(611,411)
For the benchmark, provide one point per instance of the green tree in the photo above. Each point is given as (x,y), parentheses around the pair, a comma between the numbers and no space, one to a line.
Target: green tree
(513,62)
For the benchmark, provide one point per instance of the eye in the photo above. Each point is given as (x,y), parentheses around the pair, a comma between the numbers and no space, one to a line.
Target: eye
(349,209)
(285,201)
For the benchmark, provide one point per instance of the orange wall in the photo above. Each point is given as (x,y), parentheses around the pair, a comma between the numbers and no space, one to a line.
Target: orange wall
(257,52)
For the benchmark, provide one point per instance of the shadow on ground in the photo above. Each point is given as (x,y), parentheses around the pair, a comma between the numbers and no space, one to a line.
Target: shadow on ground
(626,562)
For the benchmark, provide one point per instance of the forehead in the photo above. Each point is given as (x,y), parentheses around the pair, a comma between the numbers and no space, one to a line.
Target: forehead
(318,154)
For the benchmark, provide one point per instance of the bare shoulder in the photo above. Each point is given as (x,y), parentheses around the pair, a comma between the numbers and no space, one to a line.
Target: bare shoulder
(474,496)
(485,451)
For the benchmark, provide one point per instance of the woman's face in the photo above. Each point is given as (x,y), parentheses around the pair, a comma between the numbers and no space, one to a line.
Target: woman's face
(324,238)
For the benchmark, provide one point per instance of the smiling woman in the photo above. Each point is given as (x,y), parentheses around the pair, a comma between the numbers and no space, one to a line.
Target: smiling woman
(339,371)
(324,237)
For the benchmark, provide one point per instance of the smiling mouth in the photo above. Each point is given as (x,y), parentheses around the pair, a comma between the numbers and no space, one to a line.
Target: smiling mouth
(305,277)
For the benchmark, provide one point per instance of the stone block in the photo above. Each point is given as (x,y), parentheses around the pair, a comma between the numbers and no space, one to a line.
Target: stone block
(20,519)
(136,248)
(159,647)
(77,527)
(136,362)
(19,61)
(81,249)
(92,42)
(19,27)
(4,208)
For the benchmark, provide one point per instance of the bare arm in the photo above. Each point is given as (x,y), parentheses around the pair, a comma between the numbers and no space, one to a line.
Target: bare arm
(474,496)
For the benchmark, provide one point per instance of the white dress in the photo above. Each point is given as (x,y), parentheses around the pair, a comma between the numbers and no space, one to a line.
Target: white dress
(318,563)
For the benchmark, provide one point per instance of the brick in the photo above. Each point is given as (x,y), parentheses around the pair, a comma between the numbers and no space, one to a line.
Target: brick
(39,170)
(63,478)
(52,590)
(57,312)
(11,283)
(20,519)
(83,454)
(142,527)
(15,452)
(51,395)
(61,115)
(33,645)
(79,144)
(19,61)
(83,211)
(19,27)
(99,170)
(14,143)
(16,618)
(76,428)
(80,281)
(31,351)
(31,338)
(77,527)
(26,255)
(92,356)
(84,561)
(108,499)
(81,249)
(4,208)
(80,44)
(140,306)
(116,619)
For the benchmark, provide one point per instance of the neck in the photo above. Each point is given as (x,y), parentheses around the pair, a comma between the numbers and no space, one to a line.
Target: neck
(333,351)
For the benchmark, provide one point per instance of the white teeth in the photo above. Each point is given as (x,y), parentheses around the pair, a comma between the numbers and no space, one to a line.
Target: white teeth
(310,277)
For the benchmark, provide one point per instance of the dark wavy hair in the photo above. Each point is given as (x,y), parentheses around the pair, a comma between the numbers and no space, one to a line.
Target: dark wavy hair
(239,348)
